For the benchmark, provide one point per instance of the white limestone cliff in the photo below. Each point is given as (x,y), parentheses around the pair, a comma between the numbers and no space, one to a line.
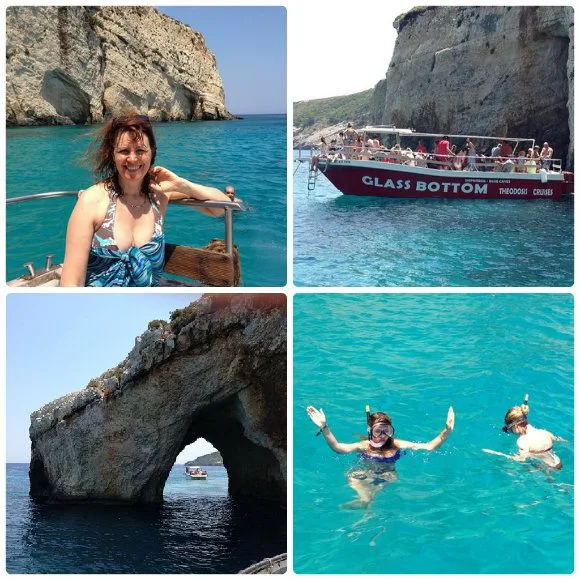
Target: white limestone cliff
(77,64)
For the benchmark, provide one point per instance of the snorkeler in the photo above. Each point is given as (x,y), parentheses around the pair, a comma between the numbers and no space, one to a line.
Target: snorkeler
(378,453)
(533,444)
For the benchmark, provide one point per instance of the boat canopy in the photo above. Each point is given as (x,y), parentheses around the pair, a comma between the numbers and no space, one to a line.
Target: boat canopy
(392,130)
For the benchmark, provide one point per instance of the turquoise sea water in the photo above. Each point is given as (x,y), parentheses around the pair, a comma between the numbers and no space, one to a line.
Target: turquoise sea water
(197,530)
(250,154)
(457,509)
(342,240)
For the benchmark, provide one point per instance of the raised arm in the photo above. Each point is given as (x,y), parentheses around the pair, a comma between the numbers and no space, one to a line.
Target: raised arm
(176,188)
(434,443)
(319,419)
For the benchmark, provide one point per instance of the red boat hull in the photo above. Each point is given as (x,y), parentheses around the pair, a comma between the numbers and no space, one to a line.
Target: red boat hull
(382,179)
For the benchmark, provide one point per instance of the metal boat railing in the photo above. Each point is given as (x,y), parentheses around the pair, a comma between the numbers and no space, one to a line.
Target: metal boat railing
(274,565)
(229,208)
(430,161)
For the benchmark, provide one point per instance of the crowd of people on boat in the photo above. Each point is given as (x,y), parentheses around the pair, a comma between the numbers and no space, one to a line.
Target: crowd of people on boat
(350,144)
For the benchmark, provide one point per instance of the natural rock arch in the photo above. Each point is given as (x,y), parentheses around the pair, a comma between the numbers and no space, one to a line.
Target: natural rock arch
(217,371)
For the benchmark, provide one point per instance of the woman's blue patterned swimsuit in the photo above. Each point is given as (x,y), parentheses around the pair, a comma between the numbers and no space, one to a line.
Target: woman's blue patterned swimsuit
(109,266)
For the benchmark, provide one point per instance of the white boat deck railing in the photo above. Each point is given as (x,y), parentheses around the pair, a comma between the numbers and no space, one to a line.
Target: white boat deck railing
(511,164)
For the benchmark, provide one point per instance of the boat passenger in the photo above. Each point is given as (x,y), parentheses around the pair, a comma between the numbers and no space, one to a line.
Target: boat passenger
(471,155)
(420,159)
(530,165)
(378,452)
(421,147)
(408,157)
(521,162)
(443,153)
(546,156)
(505,149)
(395,156)
(460,159)
(350,136)
(115,234)
(495,151)
(533,444)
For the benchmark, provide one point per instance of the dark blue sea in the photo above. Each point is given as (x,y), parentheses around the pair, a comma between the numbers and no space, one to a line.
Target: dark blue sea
(197,530)
(344,240)
(249,154)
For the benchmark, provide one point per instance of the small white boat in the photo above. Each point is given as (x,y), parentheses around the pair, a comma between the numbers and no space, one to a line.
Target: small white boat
(195,472)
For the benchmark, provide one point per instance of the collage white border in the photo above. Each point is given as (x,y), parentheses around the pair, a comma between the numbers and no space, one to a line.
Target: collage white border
(296,10)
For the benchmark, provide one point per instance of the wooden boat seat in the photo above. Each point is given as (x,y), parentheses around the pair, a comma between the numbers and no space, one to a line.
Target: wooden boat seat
(210,265)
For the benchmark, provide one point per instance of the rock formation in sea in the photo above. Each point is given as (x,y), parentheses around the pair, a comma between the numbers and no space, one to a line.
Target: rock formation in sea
(216,371)
(484,70)
(78,64)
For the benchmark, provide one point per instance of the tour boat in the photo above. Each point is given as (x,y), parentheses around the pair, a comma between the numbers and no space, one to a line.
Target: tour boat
(217,264)
(395,169)
(195,472)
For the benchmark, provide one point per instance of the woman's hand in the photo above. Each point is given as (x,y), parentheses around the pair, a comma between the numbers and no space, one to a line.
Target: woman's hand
(450,419)
(165,179)
(316,416)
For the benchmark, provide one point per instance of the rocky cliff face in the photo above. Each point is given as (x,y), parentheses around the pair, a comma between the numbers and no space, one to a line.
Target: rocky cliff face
(78,64)
(218,371)
(487,70)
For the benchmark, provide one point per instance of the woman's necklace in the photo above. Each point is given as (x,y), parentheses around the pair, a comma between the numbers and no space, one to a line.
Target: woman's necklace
(134,205)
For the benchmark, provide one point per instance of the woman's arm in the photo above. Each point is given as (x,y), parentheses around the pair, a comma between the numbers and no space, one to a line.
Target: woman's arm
(176,188)
(319,419)
(559,439)
(519,458)
(434,443)
(79,236)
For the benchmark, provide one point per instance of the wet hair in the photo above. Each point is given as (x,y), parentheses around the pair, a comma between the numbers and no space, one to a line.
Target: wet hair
(104,156)
(515,416)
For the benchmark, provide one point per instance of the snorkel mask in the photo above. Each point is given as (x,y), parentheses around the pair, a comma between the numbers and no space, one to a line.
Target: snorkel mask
(507,428)
(377,430)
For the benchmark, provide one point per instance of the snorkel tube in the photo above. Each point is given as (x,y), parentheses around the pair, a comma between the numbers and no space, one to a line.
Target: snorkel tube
(368,410)
(506,428)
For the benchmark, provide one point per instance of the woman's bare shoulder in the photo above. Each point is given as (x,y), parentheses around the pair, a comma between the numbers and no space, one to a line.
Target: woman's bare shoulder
(94,193)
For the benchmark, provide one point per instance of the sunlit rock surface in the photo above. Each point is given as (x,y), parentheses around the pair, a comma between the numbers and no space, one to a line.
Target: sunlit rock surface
(216,371)
(76,64)
(485,70)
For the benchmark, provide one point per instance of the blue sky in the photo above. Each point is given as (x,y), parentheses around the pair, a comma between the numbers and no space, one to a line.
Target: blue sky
(56,343)
(249,43)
